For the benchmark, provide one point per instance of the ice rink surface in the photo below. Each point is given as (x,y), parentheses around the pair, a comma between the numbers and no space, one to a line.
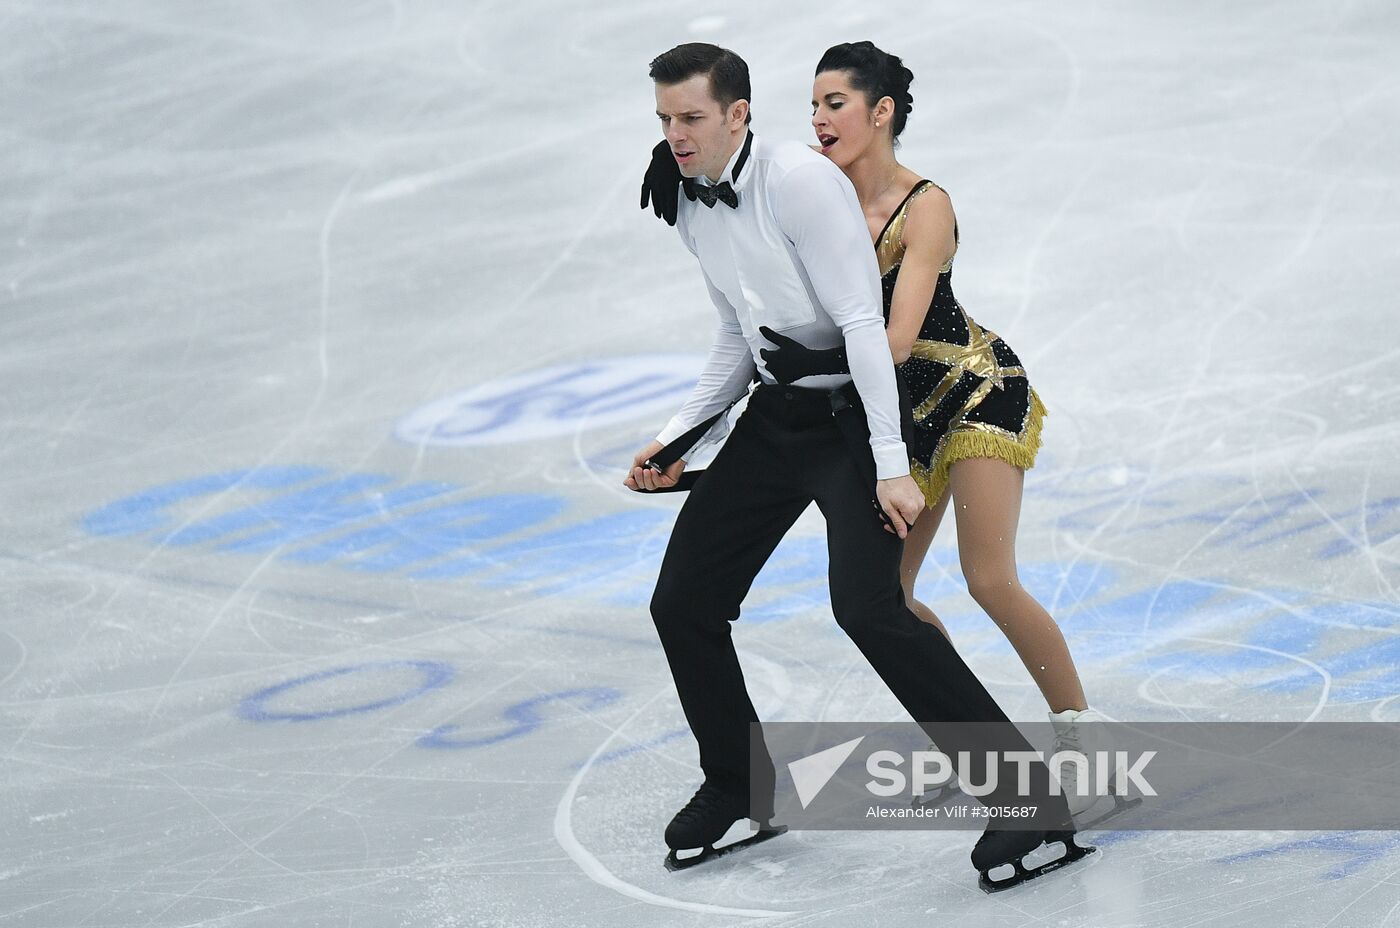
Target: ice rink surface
(328,329)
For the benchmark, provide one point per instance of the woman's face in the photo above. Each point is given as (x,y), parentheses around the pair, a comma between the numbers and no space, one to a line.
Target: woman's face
(844,122)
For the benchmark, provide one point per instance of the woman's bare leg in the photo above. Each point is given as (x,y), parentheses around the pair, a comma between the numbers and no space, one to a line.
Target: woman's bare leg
(987,496)
(916,545)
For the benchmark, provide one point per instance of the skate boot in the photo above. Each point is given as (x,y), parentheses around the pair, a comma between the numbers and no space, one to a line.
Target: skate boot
(1079,731)
(709,815)
(999,848)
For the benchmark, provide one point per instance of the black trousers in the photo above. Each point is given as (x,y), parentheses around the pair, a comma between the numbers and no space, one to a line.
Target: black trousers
(785,451)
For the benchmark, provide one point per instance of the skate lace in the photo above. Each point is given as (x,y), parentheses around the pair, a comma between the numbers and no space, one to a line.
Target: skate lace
(706,799)
(1068,740)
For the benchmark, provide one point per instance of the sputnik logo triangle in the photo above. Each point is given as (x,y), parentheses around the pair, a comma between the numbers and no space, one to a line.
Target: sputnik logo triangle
(810,774)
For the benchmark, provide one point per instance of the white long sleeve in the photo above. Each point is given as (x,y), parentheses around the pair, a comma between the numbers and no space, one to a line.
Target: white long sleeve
(821,217)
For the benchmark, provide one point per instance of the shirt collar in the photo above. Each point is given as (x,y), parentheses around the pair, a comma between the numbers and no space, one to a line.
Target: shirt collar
(735,166)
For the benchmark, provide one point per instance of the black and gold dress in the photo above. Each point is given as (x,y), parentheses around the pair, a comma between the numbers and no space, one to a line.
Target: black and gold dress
(967,390)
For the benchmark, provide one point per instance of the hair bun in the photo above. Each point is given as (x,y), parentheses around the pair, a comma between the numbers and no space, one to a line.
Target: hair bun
(876,74)
(897,81)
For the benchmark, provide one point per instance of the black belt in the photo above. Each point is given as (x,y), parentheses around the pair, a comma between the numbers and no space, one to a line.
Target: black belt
(846,408)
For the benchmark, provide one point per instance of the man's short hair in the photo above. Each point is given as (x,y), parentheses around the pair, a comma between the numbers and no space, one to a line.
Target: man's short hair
(728,73)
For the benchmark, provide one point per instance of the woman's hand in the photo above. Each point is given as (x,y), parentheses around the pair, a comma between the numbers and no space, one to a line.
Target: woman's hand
(902,501)
(792,360)
(662,183)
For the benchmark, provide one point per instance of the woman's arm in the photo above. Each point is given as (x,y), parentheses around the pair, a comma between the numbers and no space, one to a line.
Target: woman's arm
(928,244)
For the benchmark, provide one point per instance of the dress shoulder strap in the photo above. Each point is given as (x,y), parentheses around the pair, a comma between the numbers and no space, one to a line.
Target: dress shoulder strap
(923,187)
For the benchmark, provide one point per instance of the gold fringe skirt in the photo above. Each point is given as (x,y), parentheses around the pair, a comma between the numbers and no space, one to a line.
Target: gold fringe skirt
(966,440)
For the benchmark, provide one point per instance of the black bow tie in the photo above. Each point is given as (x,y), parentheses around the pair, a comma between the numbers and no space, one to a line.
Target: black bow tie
(708,195)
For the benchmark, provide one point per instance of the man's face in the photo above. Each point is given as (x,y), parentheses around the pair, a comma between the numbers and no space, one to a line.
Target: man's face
(700,135)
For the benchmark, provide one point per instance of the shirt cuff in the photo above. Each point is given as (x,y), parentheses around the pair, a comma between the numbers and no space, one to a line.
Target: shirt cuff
(891,461)
(673,430)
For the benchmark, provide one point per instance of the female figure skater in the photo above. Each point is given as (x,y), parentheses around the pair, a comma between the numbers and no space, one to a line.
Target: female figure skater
(976,421)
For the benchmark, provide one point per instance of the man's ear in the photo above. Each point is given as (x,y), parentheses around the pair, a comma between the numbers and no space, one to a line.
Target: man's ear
(738,112)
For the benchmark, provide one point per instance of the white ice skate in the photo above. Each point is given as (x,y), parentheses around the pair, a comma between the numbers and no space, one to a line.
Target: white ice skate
(1081,732)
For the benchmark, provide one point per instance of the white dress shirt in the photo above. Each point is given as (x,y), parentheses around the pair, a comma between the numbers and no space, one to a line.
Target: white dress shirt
(795,256)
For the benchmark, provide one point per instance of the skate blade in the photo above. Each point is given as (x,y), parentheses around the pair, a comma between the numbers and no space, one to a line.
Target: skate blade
(1120,805)
(1073,853)
(674,863)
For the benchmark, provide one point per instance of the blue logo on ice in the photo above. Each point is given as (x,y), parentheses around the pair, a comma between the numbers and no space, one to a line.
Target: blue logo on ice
(555,401)
(811,773)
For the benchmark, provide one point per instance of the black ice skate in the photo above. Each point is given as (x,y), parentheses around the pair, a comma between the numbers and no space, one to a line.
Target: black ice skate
(710,813)
(1001,848)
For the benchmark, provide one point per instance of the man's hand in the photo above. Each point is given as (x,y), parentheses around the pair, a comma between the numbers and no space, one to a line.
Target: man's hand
(643,478)
(902,501)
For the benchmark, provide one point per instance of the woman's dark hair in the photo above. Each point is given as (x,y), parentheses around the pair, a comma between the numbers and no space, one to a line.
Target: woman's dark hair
(876,74)
(729,74)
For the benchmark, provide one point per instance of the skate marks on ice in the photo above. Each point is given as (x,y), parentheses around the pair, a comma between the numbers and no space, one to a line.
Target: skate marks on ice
(775,685)
(428,531)
(251,274)
(1242,667)
(1185,673)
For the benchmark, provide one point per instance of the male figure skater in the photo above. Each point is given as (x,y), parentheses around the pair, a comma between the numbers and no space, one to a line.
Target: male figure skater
(782,243)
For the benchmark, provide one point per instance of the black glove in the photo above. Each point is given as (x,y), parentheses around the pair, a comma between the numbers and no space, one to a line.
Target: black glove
(792,360)
(662,183)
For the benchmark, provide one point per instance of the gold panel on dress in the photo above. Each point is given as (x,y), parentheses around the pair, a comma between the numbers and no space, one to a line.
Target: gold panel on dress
(889,249)
(963,438)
